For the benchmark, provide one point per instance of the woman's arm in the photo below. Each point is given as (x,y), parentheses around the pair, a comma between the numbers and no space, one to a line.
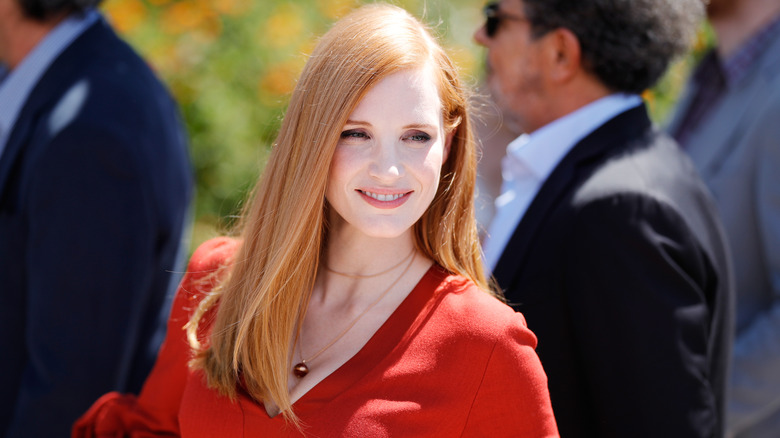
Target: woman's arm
(513,399)
(155,411)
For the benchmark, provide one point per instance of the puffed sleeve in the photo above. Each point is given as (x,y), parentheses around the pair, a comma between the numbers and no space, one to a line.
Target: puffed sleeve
(513,399)
(154,412)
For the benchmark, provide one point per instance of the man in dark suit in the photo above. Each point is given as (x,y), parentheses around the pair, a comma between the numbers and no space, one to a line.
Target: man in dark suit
(95,183)
(604,236)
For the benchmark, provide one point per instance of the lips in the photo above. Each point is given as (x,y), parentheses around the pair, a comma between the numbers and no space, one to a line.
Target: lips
(383,197)
(389,199)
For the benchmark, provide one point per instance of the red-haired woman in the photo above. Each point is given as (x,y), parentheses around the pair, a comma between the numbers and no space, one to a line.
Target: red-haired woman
(354,302)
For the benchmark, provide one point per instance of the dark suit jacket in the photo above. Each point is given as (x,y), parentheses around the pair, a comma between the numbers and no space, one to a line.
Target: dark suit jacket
(95,182)
(619,266)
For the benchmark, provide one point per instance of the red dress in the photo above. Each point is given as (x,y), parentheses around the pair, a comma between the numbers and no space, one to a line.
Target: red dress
(450,361)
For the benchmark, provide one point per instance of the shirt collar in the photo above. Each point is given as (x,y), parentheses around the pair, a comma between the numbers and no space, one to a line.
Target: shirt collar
(17,85)
(540,152)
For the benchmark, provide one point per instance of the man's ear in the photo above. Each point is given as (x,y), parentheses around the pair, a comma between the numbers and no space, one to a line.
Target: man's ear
(565,54)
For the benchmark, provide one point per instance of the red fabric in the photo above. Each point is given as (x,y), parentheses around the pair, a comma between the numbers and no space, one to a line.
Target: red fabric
(450,361)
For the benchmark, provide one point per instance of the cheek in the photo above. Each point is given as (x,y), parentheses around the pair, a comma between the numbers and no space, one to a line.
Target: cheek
(430,169)
(342,166)
(504,77)
(338,175)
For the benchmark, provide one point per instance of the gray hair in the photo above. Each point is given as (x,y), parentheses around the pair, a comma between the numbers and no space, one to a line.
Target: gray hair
(626,44)
(43,9)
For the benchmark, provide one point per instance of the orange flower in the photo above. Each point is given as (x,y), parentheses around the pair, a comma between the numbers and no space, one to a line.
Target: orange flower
(284,26)
(280,80)
(335,9)
(125,15)
(231,7)
(185,16)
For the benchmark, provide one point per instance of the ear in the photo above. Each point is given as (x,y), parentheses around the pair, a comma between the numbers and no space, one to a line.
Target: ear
(565,55)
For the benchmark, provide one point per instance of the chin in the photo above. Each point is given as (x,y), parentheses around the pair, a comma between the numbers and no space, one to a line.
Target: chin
(384,230)
(387,233)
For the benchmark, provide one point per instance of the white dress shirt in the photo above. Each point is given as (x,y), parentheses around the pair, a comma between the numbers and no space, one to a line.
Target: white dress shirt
(531,158)
(18,83)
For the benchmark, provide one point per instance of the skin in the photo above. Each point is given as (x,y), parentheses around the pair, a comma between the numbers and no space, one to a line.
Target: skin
(735,21)
(19,34)
(537,80)
(394,144)
(516,68)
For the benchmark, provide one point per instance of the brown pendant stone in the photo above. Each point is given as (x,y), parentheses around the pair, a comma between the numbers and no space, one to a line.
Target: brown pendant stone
(300,370)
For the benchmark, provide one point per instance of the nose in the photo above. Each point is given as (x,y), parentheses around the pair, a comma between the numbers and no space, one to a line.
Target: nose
(386,164)
(480,36)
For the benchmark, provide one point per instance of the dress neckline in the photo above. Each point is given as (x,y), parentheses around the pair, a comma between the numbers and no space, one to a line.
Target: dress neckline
(390,335)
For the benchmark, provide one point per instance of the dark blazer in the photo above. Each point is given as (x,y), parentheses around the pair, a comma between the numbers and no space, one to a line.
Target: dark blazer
(620,268)
(95,183)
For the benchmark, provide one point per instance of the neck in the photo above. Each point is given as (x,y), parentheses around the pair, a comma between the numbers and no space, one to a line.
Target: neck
(740,21)
(573,95)
(20,34)
(363,255)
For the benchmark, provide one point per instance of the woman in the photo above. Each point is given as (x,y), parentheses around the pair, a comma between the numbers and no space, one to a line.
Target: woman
(354,303)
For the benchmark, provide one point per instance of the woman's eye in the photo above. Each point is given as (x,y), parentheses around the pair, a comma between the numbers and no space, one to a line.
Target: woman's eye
(419,137)
(352,134)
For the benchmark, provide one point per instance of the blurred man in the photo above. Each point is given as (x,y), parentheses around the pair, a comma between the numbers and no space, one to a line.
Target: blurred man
(604,236)
(94,185)
(728,122)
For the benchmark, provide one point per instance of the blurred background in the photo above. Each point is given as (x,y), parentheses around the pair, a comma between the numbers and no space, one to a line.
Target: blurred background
(232,64)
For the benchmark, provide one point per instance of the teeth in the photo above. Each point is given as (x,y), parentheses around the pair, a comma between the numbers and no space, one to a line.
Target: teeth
(379,197)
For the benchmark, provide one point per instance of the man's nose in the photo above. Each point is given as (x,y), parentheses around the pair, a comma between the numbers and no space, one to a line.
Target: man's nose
(480,36)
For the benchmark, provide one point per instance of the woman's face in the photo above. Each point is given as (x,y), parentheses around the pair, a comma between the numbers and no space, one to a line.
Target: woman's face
(387,163)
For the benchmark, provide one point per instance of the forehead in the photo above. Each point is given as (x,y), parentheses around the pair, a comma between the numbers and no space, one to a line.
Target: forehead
(404,93)
(516,7)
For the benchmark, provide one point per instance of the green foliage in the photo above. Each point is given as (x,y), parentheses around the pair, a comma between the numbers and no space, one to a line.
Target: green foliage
(231,65)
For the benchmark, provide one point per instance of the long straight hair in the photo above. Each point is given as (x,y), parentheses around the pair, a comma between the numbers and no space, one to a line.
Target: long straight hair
(263,299)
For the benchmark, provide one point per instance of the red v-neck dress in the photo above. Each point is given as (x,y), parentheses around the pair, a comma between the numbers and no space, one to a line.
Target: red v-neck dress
(450,361)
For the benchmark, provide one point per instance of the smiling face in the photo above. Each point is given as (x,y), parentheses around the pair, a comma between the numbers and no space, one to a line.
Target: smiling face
(386,167)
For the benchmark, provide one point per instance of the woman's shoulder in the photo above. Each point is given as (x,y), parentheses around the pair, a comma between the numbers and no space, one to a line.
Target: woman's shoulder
(208,266)
(208,261)
(479,312)
(213,254)
(465,296)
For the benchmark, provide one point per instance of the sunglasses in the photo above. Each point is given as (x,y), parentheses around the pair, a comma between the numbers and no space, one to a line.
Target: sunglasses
(494,16)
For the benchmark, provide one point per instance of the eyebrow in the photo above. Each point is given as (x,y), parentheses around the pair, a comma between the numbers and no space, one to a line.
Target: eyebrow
(409,126)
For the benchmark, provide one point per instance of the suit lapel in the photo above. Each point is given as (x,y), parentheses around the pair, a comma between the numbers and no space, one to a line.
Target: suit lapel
(562,182)
(19,133)
(49,88)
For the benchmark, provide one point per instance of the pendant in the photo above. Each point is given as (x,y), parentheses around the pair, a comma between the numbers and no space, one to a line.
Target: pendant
(300,370)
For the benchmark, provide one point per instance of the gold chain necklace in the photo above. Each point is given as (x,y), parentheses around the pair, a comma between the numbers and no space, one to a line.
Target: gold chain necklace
(300,369)
(344,274)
